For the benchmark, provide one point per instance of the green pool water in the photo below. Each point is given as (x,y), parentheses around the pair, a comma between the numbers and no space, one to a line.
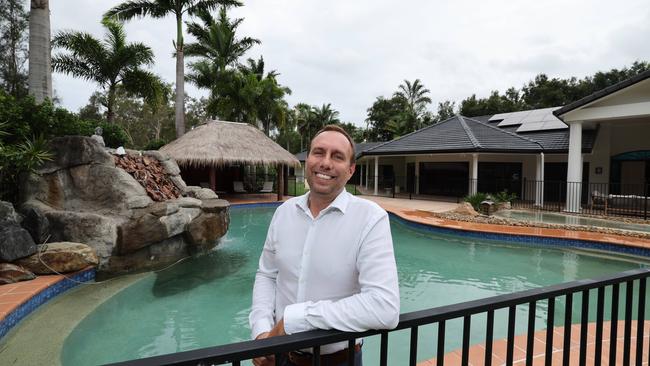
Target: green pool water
(205,302)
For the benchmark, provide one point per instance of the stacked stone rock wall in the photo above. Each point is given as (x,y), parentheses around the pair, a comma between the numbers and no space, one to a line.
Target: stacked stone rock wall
(82,196)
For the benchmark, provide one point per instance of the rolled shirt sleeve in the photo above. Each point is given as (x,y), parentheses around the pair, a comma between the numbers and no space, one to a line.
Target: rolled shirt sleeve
(262,315)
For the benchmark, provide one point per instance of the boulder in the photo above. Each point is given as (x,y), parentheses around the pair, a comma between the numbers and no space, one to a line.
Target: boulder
(156,155)
(200,193)
(204,232)
(74,151)
(465,208)
(36,224)
(171,167)
(16,242)
(11,273)
(8,213)
(60,257)
(179,182)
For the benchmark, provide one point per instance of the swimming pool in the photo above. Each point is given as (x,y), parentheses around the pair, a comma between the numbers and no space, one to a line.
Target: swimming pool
(558,218)
(205,302)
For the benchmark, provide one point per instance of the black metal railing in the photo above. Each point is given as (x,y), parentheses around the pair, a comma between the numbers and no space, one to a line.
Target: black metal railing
(611,199)
(632,284)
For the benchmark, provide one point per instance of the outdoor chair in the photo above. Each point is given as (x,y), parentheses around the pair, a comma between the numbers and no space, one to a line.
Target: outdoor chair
(238,187)
(267,188)
(599,199)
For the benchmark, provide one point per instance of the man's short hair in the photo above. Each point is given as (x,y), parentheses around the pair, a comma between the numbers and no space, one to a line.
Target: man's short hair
(340,130)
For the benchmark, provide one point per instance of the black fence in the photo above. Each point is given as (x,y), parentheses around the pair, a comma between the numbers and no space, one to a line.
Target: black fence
(609,199)
(620,296)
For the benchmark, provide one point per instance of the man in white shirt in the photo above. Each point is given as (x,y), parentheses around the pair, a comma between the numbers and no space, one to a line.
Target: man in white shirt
(328,260)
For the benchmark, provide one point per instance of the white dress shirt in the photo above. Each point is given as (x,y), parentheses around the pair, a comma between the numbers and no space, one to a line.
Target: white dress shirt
(334,271)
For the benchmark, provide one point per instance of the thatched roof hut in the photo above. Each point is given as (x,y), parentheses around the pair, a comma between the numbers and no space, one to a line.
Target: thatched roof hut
(220,143)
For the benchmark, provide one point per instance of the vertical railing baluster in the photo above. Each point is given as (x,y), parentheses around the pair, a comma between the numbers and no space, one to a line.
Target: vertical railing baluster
(584,321)
(383,353)
(278,359)
(413,354)
(489,334)
(440,352)
(510,346)
(530,340)
(236,363)
(466,330)
(600,312)
(550,327)
(316,359)
(566,347)
(613,334)
(627,337)
(640,323)
(351,344)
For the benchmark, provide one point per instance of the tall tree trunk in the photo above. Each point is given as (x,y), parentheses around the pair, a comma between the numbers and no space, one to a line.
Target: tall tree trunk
(40,60)
(180,79)
(110,105)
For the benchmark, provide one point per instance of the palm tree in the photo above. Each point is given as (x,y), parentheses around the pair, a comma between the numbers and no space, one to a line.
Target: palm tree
(325,115)
(216,39)
(416,99)
(110,63)
(40,70)
(159,9)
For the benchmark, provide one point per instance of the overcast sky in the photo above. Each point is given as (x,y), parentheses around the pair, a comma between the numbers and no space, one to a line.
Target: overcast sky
(349,52)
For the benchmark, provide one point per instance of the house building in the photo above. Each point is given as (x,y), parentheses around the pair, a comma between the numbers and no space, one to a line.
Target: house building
(598,145)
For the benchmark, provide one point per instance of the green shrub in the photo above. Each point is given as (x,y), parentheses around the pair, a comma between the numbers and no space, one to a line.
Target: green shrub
(155,144)
(505,196)
(476,199)
(114,135)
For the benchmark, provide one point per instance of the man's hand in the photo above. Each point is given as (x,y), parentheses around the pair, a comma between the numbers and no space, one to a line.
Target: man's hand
(278,330)
(265,360)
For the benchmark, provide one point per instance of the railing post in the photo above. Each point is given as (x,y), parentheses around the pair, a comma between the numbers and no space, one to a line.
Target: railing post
(645,201)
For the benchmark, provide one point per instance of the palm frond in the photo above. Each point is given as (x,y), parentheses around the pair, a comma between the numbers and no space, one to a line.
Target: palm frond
(139,9)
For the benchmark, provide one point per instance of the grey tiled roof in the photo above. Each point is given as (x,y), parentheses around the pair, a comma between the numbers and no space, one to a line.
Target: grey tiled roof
(463,134)
(457,134)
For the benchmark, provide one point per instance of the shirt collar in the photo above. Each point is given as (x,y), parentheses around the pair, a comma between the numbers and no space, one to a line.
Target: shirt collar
(340,202)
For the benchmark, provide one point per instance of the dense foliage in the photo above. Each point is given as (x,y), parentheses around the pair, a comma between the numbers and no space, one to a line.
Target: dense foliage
(25,128)
(13,47)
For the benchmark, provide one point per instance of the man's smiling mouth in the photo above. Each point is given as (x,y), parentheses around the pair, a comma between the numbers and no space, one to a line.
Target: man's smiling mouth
(324,176)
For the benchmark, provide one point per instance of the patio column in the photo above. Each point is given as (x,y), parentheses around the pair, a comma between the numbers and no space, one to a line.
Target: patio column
(361,174)
(473,181)
(417,176)
(574,168)
(539,180)
(280,180)
(367,169)
(376,174)
(213,178)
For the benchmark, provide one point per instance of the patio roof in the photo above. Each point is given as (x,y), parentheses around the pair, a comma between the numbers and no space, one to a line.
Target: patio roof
(461,134)
(602,93)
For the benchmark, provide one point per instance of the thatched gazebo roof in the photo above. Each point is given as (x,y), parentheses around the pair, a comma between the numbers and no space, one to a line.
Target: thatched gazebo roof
(220,143)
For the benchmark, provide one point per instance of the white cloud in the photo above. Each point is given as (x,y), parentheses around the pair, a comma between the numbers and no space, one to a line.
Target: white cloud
(349,52)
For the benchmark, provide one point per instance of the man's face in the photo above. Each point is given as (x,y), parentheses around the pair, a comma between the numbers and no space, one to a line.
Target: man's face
(328,165)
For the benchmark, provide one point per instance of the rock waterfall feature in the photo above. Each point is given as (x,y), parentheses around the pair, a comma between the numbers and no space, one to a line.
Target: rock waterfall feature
(86,195)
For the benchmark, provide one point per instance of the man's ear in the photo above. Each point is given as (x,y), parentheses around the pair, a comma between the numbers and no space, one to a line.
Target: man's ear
(352,168)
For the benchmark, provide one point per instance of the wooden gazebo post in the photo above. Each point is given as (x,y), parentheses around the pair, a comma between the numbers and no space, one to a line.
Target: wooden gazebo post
(213,178)
(280,180)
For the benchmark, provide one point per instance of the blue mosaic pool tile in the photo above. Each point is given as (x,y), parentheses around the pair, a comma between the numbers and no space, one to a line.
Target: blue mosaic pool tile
(530,239)
(41,298)
(253,205)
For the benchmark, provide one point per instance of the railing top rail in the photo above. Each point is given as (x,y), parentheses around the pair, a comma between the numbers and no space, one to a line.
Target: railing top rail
(249,349)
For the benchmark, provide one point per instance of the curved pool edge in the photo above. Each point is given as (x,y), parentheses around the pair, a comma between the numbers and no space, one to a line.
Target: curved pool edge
(29,295)
(552,237)
(559,238)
